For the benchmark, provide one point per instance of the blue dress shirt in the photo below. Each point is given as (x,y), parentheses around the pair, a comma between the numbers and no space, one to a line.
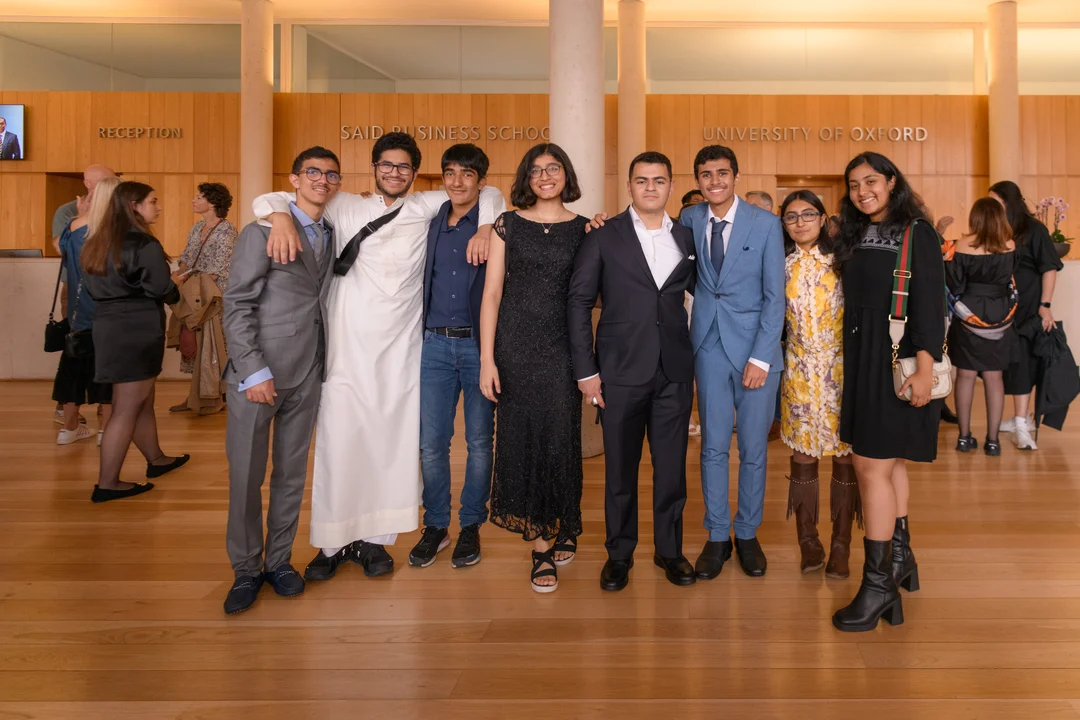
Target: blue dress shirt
(450,273)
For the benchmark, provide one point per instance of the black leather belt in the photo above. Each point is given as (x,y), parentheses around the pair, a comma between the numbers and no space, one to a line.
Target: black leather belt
(453,332)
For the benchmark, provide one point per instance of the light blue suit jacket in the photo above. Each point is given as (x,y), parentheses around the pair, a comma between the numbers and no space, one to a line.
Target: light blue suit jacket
(746,301)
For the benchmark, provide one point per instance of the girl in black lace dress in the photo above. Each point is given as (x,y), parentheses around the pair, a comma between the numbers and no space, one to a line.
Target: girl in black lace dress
(883,429)
(525,363)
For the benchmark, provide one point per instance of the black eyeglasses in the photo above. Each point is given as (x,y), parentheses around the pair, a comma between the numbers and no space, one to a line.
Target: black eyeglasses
(388,168)
(807,217)
(314,173)
(552,170)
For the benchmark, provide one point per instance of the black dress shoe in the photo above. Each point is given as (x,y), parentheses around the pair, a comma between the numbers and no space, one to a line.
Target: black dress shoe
(243,593)
(373,558)
(712,558)
(948,415)
(285,581)
(678,570)
(156,471)
(616,574)
(323,567)
(751,556)
(467,550)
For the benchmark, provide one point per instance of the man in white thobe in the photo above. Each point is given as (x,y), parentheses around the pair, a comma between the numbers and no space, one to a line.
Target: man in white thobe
(366,488)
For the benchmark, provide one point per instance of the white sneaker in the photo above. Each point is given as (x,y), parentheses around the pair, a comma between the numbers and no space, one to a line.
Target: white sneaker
(695,430)
(66,437)
(1022,436)
(1007,426)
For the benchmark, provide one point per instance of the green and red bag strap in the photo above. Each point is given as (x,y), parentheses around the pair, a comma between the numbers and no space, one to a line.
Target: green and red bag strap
(901,288)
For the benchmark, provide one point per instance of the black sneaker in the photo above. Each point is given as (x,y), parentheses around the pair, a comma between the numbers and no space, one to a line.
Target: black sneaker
(285,581)
(373,558)
(324,567)
(966,443)
(467,550)
(432,542)
(992,448)
(243,593)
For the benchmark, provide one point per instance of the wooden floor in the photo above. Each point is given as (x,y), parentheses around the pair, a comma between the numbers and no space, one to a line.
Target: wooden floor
(114,611)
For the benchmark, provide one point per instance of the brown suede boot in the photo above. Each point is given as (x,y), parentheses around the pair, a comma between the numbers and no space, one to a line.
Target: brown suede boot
(846,508)
(803,502)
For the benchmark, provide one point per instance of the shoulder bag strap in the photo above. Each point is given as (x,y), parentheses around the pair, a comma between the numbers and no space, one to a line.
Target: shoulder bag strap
(56,290)
(901,288)
(348,255)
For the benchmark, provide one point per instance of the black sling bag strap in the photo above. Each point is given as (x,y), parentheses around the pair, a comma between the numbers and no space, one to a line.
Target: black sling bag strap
(348,255)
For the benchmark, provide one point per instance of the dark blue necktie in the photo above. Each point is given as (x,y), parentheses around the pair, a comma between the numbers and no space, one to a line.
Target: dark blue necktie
(716,244)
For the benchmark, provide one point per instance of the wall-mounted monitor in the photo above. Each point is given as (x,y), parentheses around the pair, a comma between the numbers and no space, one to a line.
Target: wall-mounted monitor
(12,132)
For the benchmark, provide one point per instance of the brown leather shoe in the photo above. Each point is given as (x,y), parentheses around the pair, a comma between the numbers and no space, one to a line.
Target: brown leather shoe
(846,507)
(803,502)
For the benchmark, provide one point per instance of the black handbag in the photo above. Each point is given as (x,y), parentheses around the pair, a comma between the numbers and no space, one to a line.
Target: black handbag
(56,330)
(78,344)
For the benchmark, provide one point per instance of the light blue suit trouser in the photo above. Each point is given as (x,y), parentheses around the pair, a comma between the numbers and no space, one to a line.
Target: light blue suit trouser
(720,395)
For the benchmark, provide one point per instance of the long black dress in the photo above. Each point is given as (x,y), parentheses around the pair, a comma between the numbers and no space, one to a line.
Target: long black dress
(536,489)
(1035,255)
(873,419)
(981,283)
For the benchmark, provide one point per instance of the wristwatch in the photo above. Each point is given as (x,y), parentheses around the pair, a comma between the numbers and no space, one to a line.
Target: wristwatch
(1045,304)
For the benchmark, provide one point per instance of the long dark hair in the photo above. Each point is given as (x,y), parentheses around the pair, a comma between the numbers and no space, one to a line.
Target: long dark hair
(824,241)
(1016,209)
(905,205)
(104,244)
(521,193)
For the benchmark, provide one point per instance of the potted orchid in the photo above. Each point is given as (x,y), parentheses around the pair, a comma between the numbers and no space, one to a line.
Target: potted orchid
(1051,211)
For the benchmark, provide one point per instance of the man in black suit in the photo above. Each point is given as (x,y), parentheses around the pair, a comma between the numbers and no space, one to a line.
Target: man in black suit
(9,143)
(641,373)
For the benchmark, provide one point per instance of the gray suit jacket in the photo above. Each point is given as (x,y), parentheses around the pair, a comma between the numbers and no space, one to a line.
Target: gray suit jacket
(275,315)
(9,148)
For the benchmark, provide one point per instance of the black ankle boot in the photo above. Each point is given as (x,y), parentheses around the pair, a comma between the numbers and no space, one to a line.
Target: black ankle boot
(878,596)
(905,570)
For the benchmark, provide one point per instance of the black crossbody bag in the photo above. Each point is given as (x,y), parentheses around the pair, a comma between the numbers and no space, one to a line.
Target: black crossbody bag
(348,255)
(56,330)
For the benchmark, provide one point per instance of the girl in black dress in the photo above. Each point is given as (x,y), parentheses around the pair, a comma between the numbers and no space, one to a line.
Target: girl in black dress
(126,271)
(979,271)
(884,430)
(1037,266)
(525,363)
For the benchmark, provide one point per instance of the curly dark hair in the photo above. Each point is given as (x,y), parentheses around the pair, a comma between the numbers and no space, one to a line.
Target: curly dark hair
(521,193)
(396,141)
(218,196)
(905,205)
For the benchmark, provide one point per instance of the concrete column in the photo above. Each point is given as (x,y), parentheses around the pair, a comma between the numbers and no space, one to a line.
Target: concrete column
(631,88)
(1004,100)
(256,102)
(576,100)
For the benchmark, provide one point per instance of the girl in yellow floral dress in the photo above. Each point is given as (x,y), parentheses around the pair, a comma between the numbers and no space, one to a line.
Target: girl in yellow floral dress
(812,383)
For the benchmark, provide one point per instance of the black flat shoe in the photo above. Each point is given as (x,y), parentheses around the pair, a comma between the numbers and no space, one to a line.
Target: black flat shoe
(156,471)
(751,556)
(323,567)
(966,443)
(678,570)
(616,574)
(712,558)
(992,448)
(373,558)
(243,593)
(285,581)
(948,415)
(101,495)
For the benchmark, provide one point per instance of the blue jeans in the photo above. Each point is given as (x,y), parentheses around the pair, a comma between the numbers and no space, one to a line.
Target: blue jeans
(449,366)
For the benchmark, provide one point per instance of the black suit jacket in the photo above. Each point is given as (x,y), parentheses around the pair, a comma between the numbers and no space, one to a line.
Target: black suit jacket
(9,149)
(477,273)
(642,326)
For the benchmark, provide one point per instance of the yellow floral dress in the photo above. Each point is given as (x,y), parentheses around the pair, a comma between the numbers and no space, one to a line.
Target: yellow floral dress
(813,359)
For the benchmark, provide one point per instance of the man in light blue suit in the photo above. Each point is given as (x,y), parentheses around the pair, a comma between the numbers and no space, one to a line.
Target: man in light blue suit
(735,331)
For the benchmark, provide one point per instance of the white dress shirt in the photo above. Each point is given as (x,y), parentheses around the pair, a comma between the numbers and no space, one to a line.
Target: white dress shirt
(730,217)
(661,251)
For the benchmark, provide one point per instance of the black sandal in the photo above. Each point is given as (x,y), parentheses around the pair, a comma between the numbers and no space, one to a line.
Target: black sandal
(539,560)
(565,545)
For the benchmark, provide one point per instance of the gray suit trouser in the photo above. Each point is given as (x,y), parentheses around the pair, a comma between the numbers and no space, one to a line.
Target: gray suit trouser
(247,442)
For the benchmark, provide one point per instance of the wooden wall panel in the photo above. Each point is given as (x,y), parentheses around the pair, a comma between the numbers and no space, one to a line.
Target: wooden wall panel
(1050,132)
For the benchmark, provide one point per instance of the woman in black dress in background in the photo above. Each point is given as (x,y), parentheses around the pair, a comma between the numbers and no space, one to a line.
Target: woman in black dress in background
(883,430)
(525,363)
(126,271)
(1037,266)
(979,274)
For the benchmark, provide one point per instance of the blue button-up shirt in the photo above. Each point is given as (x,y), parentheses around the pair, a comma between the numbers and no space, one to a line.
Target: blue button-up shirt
(261,376)
(450,273)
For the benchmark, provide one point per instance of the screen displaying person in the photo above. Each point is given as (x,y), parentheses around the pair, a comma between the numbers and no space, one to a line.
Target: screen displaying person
(9,143)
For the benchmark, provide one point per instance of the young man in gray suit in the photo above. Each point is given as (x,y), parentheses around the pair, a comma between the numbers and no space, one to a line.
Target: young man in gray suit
(275,320)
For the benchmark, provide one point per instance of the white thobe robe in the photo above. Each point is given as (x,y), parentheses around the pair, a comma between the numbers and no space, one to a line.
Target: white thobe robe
(367,482)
